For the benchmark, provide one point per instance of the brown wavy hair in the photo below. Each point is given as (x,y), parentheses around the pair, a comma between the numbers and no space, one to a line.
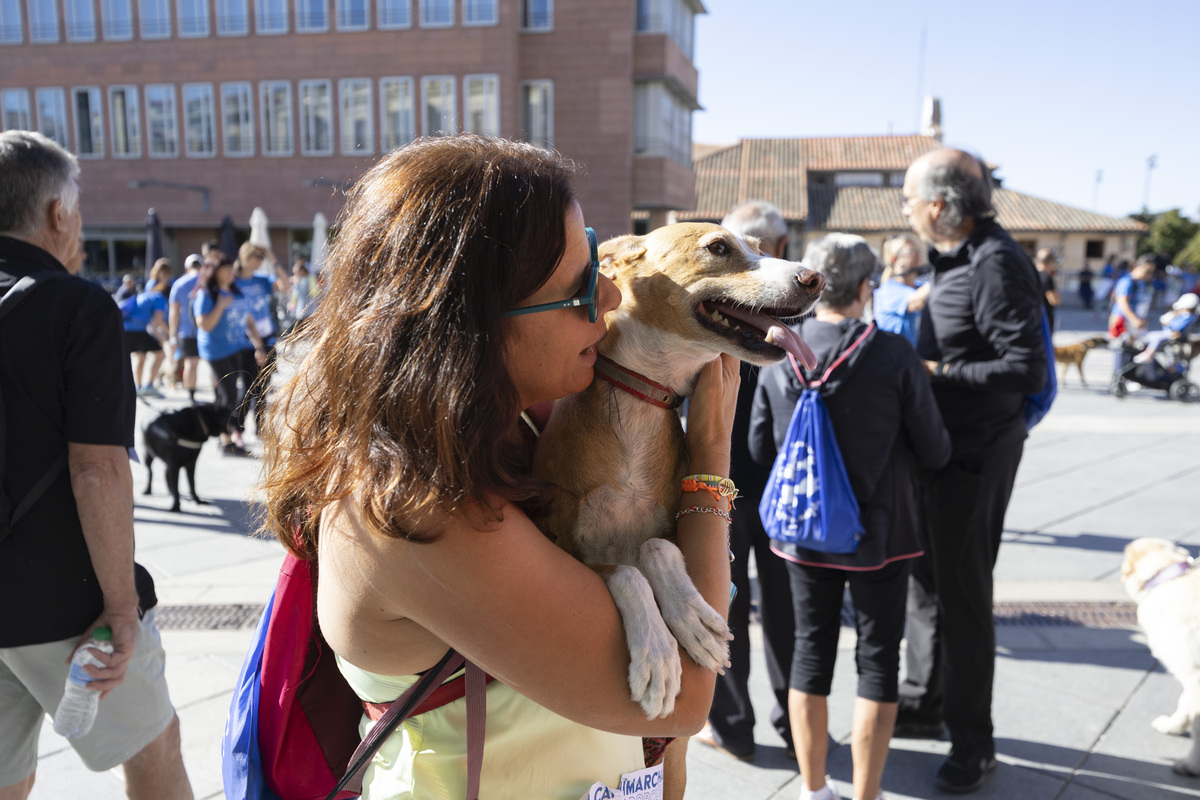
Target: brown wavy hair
(403,398)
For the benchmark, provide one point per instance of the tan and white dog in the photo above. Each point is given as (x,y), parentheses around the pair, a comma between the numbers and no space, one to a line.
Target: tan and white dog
(1160,577)
(690,291)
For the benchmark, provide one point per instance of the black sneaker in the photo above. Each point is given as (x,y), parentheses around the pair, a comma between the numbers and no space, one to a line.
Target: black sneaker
(912,724)
(960,773)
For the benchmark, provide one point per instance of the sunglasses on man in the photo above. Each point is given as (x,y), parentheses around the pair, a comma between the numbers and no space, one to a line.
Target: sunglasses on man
(585,298)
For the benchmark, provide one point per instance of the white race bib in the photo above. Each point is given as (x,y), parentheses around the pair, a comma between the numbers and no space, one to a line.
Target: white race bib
(645,784)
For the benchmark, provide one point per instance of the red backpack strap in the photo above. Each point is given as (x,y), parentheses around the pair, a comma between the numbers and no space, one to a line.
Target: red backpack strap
(837,362)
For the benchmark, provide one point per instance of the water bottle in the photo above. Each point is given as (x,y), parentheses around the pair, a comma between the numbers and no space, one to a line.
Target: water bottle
(77,709)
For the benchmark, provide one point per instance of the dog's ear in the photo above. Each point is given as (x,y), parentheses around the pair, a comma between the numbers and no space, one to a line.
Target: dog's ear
(755,245)
(616,253)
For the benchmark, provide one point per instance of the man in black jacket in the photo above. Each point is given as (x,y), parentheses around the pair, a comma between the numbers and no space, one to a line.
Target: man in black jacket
(981,341)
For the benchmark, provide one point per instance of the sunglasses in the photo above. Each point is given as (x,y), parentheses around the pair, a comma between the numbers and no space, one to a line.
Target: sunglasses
(585,298)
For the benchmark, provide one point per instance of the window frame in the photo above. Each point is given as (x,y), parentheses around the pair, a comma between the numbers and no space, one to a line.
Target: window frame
(98,132)
(70,24)
(393,26)
(494,111)
(39,25)
(213,136)
(15,26)
(170,118)
(17,91)
(246,90)
(343,116)
(179,18)
(247,17)
(265,133)
(156,35)
(423,4)
(444,81)
(495,20)
(524,87)
(260,30)
(304,116)
(128,89)
(105,16)
(524,12)
(297,6)
(413,103)
(64,120)
(352,28)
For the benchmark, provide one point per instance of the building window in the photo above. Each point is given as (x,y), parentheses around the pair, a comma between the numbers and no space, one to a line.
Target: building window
(662,124)
(537,112)
(358,135)
(155,18)
(316,118)
(43,20)
(237,117)
(162,128)
(438,105)
(537,15)
(437,13)
(1094,248)
(52,115)
(193,18)
(482,98)
(15,105)
(479,12)
(126,127)
(858,179)
(353,15)
(199,120)
(116,19)
(89,122)
(10,22)
(233,19)
(271,16)
(396,116)
(275,98)
(79,17)
(394,14)
(672,17)
(312,16)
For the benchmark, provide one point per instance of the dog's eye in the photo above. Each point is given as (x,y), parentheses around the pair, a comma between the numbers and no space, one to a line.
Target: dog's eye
(718,248)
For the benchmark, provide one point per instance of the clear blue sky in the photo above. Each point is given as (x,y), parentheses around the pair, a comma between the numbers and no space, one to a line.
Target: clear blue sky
(1051,90)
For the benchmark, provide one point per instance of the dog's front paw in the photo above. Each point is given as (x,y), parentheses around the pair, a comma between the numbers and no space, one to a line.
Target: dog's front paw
(1186,767)
(1171,726)
(701,631)
(655,671)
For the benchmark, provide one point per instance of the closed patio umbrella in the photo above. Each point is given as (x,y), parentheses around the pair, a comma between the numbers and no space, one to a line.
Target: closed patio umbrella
(154,245)
(319,242)
(227,239)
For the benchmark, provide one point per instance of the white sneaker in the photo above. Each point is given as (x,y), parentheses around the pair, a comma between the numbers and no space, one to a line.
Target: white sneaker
(828,792)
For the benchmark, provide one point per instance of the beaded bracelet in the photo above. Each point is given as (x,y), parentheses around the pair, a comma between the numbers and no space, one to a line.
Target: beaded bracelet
(705,510)
(715,485)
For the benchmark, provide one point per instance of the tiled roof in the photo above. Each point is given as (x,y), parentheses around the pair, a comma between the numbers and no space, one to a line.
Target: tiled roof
(777,170)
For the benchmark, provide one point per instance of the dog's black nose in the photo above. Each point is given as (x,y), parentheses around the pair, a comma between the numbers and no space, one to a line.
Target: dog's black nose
(812,281)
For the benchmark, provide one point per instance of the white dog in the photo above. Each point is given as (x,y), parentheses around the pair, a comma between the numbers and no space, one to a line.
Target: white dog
(1160,577)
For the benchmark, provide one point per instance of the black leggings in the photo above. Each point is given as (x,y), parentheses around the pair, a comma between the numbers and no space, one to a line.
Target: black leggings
(878,597)
(233,382)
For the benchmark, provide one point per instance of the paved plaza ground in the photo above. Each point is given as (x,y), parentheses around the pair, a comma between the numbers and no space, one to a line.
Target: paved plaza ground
(1073,701)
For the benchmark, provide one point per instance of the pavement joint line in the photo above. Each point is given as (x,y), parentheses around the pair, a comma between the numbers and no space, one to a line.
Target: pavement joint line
(1112,500)
(1078,467)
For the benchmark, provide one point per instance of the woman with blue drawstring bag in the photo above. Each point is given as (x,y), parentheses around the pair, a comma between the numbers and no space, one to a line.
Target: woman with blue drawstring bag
(846,441)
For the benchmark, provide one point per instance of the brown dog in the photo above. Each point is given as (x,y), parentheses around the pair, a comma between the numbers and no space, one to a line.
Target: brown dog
(690,292)
(1074,354)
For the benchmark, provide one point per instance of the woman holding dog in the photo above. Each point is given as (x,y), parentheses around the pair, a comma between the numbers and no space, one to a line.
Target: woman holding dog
(396,457)
(886,424)
(225,330)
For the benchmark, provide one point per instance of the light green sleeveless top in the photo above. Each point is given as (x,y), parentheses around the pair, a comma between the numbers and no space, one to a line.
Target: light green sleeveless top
(529,752)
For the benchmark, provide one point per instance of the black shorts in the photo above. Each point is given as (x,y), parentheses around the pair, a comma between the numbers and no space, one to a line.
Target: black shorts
(188,347)
(141,342)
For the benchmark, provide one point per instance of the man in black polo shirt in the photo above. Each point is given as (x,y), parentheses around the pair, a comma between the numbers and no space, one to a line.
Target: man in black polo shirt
(981,339)
(66,566)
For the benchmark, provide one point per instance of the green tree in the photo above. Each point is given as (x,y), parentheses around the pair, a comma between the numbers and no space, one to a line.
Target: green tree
(1190,255)
(1171,232)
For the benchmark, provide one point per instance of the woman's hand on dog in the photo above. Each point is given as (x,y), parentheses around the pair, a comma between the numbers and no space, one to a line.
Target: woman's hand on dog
(710,415)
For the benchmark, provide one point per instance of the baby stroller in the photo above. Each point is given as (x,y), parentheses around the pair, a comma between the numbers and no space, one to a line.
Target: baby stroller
(1167,371)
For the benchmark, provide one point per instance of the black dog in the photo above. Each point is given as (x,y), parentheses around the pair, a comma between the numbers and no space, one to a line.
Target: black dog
(176,438)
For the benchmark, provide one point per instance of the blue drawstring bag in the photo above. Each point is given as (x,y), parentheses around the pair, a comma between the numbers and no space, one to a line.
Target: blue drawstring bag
(1038,405)
(241,764)
(808,501)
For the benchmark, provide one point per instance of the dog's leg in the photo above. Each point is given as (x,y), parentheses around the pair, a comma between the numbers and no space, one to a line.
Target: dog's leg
(1180,722)
(190,468)
(697,627)
(1062,381)
(1190,764)
(655,671)
(149,472)
(173,484)
(1079,366)
(675,769)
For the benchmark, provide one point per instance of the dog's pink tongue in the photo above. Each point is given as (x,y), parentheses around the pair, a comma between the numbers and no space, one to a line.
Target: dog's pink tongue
(776,332)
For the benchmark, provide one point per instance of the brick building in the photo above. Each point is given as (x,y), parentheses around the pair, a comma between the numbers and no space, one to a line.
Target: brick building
(207,108)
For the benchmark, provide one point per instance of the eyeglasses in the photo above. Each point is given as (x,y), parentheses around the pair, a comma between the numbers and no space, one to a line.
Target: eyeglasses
(585,298)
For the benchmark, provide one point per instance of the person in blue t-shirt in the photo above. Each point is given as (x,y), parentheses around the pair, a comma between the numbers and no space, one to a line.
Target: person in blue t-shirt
(898,300)
(260,294)
(145,318)
(1131,300)
(182,322)
(225,331)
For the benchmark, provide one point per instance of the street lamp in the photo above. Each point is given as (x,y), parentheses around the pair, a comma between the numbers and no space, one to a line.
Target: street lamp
(1151,163)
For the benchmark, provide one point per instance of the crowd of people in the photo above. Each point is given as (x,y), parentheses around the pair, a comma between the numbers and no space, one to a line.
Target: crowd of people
(397,459)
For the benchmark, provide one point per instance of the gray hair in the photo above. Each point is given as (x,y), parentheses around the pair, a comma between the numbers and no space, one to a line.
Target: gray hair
(37,171)
(757,218)
(965,194)
(845,261)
